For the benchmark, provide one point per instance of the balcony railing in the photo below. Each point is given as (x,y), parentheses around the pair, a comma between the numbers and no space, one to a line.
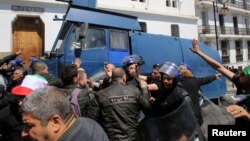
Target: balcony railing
(236,4)
(224,30)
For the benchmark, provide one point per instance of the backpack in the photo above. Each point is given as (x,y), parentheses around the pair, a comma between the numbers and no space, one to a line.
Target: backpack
(74,101)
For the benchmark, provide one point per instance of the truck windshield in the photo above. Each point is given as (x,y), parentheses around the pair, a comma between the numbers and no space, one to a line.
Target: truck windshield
(95,38)
(119,39)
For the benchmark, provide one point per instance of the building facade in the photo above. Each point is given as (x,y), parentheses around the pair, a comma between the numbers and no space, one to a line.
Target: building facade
(224,25)
(29,24)
(167,17)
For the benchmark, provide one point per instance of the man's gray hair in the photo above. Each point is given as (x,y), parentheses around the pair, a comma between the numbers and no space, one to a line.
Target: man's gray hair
(44,103)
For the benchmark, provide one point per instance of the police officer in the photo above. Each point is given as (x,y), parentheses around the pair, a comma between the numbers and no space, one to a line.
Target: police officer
(131,66)
(168,110)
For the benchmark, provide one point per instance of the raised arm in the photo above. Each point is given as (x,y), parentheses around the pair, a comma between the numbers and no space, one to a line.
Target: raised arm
(213,63)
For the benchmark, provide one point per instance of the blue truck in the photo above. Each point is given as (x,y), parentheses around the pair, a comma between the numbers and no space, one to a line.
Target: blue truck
(98,36)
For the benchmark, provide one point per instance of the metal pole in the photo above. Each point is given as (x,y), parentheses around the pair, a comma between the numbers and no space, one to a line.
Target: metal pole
(215,26)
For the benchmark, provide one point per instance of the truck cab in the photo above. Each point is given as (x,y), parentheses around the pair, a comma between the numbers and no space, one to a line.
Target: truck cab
(99,45)
(97,37)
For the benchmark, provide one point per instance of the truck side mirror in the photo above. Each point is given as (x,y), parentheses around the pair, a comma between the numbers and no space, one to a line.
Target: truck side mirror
(83,30)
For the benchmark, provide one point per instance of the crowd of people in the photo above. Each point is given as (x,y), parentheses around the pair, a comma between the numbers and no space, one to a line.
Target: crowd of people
(126,105)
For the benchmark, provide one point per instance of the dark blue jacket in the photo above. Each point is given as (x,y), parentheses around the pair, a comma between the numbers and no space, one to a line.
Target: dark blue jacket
(84,129)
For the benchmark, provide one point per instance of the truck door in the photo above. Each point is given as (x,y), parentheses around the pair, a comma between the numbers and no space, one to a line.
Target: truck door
(91,48)
(94,52)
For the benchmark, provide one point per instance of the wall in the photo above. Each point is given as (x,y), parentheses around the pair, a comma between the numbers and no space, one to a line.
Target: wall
(51,27)
(157,16)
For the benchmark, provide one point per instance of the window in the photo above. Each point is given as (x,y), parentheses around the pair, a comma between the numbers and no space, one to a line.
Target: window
(95,38)
(247,26)
(225,51)
(235,22)
(239,51)
(168,3)
(174,3)
(204,18)
(222,23)
(76,42)
(119,39)
(175,30)
(143,26)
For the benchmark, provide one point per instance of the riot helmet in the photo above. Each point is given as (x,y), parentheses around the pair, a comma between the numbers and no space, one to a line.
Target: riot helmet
(129,66)
(170,69)
(128,60)
(139,59)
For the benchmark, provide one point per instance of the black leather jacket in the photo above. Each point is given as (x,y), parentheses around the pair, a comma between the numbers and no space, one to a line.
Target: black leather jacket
(116,108)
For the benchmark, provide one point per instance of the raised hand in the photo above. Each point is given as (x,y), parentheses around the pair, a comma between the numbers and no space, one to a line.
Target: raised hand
(77,62)
(20,51)
(195,47)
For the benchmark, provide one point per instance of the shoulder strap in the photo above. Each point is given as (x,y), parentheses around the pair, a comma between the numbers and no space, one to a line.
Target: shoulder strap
(74,101)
